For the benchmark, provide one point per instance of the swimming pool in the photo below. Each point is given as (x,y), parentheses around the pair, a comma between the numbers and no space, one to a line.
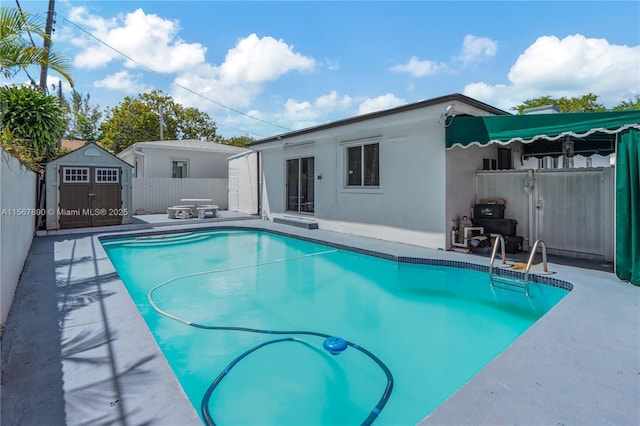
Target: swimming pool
(434,327)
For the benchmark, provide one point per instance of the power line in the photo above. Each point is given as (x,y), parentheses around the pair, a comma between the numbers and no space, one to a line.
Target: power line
(173,82)
(32,43)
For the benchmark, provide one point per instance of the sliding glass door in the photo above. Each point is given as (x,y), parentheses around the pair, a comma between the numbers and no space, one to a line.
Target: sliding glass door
(300,179)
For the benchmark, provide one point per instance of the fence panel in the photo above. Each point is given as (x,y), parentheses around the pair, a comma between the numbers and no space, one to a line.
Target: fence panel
(154,195)
(18,223)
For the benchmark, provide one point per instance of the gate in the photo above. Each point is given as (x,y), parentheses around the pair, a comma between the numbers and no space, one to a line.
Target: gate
(90,196)
(569,209)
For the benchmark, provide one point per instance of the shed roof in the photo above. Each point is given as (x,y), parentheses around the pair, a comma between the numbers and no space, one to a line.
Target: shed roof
(79,155)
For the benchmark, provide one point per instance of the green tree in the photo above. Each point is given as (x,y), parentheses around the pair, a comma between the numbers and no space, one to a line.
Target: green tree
(32,122)
(18,52)
(585,103)
(138,119)
(627,105)
(83,118)
(241,141)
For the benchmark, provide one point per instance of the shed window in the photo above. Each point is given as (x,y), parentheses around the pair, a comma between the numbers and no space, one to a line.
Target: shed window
(180,169)
(107,175)
(75,174)
(363,165)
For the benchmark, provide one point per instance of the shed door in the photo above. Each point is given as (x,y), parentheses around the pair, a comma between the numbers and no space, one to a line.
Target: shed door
(90,196)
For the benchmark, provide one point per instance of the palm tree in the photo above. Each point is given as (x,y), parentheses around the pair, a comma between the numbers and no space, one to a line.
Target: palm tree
(18,52)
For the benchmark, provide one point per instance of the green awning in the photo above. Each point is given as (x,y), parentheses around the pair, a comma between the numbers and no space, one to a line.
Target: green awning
(592,132)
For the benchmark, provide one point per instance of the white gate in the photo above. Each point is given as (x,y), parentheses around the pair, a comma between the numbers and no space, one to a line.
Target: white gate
(571,210)
(234,189)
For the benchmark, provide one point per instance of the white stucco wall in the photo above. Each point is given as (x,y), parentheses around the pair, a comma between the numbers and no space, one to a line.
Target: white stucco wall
(17,200)
(409,205)
(201,164)
(462,164)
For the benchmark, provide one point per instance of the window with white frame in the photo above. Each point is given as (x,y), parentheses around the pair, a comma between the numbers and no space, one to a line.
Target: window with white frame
(180,169)
(107,175)
(362,164)
(75,174)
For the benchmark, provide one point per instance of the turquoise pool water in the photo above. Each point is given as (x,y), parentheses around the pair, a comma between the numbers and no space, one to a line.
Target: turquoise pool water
(434,327)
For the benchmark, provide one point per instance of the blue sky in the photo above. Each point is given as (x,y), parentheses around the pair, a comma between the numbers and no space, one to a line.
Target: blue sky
(297,64)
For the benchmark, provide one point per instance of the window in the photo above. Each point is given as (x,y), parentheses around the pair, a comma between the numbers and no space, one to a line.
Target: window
(107,175)
(363,165)
(180,169)
(504,159)
(75,174)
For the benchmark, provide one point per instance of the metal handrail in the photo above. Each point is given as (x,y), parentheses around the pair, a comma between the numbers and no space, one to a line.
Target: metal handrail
(532,255)
(500,239)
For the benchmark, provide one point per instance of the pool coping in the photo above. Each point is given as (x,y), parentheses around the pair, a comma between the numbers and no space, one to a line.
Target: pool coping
(586,372)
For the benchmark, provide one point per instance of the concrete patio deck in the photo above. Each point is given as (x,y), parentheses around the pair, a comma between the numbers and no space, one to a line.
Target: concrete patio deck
(77,351)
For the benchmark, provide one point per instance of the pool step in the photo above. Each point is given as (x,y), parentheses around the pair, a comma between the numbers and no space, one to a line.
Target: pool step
(159,241)
(300,223)
(510,283)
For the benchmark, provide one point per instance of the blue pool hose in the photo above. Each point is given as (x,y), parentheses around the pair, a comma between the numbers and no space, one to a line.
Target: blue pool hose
(333,345)
(329,342)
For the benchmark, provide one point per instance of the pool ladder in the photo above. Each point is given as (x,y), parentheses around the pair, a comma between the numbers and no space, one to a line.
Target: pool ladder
(511,283)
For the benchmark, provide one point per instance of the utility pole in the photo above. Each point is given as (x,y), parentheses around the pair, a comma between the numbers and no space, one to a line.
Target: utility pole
(47,44)
(60,103)
(161,123)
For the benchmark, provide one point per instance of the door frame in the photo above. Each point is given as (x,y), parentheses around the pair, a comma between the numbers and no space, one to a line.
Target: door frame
(310,201)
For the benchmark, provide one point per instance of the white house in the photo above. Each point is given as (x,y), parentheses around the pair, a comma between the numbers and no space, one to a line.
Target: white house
(385,174)
(179,158)
(167,171)
(405,174)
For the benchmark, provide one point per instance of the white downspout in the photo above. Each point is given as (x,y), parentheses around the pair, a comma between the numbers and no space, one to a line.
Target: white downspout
(531,189)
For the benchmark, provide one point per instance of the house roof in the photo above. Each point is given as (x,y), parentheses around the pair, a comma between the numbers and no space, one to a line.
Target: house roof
(187,144)
(403,108)
(72,144)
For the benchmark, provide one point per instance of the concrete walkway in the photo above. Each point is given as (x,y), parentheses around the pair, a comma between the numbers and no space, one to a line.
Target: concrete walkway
(76,351)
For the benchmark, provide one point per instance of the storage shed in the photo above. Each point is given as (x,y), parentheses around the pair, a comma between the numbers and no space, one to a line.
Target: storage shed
(88,187)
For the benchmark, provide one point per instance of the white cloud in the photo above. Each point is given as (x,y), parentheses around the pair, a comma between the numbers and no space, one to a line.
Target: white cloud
(306,114)
(418,68)
(241,77)
(153,42)
(573,66)
(256,60)
(146,38)
(475,48)
(123,82)
(380,103)
(332,64)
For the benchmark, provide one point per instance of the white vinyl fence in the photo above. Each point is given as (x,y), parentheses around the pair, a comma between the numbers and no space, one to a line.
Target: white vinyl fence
(154,195)
(18,208)
(571,210)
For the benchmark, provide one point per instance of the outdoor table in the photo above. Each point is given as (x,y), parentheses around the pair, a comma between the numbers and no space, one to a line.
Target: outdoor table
(196,202)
